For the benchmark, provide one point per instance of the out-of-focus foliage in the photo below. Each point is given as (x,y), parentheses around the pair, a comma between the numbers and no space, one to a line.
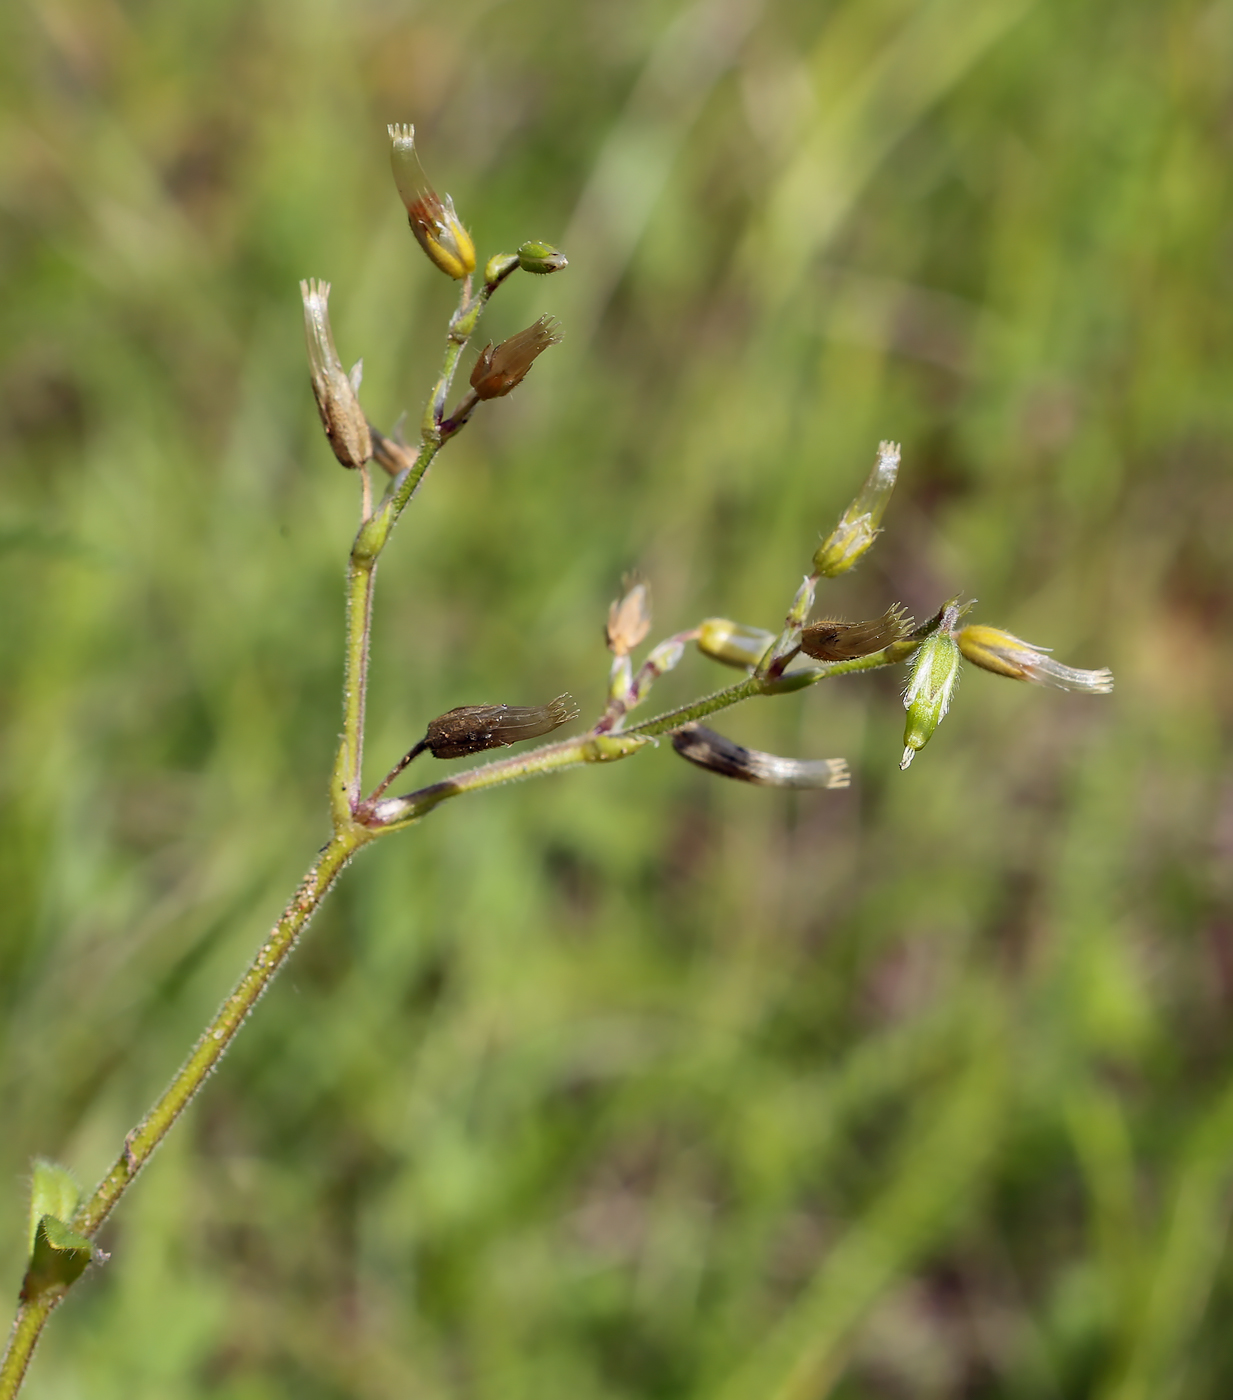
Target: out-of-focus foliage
(632,1083)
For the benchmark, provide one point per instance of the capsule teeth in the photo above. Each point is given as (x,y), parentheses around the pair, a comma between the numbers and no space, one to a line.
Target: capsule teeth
(840,774)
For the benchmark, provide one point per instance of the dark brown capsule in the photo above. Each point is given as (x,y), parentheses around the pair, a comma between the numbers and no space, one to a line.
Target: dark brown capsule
(473,728)
(846,641)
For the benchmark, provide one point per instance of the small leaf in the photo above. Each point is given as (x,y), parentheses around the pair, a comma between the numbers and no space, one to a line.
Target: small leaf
(59,1258)
(53,1191)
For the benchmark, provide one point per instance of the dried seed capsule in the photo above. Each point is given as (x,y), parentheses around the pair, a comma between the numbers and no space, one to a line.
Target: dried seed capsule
(714,752)
(732,643)
(629,617)
(1007,655)
(858,526)
(335,391)
(845,641)
(472,728)
(499,370)
(437,228)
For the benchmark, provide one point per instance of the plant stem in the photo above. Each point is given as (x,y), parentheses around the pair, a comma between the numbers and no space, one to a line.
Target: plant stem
(374,533)
(140,1144)
(31,1317)
(349,836)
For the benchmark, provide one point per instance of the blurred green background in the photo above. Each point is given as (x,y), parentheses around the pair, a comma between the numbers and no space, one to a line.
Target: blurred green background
(632,1083)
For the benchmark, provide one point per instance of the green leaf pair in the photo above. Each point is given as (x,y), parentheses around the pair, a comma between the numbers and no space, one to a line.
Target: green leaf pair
(58,1254)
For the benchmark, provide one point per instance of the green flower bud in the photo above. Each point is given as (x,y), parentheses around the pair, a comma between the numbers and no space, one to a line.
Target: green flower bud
(927,697)
(541,257)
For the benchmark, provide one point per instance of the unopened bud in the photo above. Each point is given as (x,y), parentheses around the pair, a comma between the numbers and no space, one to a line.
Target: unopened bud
(473,728)
(935,670)
(712,751)
(845,641)
(733,643)
(1007,655)
(335,392)
(629,618)
(858,526)
(436,226)
(541,257)
(500,369)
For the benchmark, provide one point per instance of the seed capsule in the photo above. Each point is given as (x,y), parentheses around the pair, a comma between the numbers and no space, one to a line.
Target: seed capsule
(335,390)
(473,728)
(437,228)
(858,526)
(845,641)
(500,370)
(1007,655)
(733,643)
(712,751)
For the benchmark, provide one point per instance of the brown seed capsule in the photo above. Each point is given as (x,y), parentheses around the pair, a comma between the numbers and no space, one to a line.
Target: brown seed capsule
(335,391)
(391,452)
(472,728)
(499,370)
(845,641)
(712,751)
(629,618)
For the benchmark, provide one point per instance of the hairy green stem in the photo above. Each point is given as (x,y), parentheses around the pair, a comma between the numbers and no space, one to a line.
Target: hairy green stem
(374,534)
(141,1143)
(31,1318)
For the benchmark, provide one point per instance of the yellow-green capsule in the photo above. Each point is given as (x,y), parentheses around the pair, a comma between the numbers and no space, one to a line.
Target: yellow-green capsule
(858,526)
(1007,655)
(733,643)
(436,225)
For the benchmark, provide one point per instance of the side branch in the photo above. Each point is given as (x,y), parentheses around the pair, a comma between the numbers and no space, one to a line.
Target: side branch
(394,813)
